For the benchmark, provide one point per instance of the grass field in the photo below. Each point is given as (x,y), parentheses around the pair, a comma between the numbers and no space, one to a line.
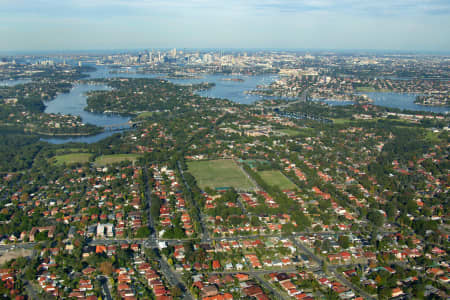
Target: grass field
(72,158)
(303,132)
(115,158)
(145,115)
(289,132)
(341,121)
(278,179)
(432,137)
(13,254)
(219,173)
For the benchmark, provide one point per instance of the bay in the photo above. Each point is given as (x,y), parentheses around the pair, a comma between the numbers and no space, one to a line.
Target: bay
(226,87)
(393,100)
(14,82)
(73,103)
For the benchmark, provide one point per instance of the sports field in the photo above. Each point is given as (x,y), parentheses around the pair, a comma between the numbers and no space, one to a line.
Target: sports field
(277,178)
(219,173)
(289,132)
(115,158)
(145,115)
(72,158)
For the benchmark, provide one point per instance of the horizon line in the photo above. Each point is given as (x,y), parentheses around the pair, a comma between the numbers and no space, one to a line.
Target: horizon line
(339,50)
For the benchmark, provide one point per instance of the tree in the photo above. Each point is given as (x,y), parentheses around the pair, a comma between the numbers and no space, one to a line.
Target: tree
(344,241)
(376,218)
(143,232)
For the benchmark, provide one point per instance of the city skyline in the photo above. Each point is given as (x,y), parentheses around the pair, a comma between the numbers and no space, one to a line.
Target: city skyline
(46,25)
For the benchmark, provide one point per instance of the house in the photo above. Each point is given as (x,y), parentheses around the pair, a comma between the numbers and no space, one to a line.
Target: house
(345,256)
(105,230)
(49,229)
(350,273)
(438,252)
(390,270)
(242,277)
(225,296)
(208,291)
(281,277)
(253,291)
(396,292)
(216,265)
(435,272)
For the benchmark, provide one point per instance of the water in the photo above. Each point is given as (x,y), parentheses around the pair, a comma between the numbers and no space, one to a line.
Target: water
(232,90)
(393,100)
(14,82)
(225,89)
(80,139)
(73,103)
(402,101)
(334,102)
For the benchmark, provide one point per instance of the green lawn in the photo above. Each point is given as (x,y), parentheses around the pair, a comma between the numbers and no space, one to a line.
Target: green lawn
(341,121)
(145,115)
(368,89)
(302,132)
(219,173)
(289,132)
(277,178)
(432,137)
(115,158)
(72,158)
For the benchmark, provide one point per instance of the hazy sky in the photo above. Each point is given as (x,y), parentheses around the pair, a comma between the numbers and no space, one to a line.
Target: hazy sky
(326,24)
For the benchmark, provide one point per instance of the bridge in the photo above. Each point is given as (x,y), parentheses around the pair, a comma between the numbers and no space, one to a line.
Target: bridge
(120,126)
(303,97)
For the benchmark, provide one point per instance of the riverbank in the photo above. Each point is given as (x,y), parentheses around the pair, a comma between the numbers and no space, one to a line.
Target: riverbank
(75,103)
(52,134)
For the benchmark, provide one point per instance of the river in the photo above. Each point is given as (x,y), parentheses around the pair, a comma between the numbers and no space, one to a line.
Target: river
(224,88)
(403,101)
(393,100)
(73,103)
(14,82)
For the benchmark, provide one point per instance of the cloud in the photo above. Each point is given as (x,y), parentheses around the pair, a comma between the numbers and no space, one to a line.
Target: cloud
(247,7)
(395,24)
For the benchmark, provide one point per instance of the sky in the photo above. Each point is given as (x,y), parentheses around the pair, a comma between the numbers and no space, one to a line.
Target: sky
(62,25)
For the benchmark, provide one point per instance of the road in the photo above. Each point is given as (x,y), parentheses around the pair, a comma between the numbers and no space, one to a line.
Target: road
(152,241)
(205,234)
(344,280)
(105,287)
(17,246)
(174,278)
(302,98)
(257,187)
(308,252)
(256,272)
(267,286)
(332,270)
(264,283)
(31,291)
